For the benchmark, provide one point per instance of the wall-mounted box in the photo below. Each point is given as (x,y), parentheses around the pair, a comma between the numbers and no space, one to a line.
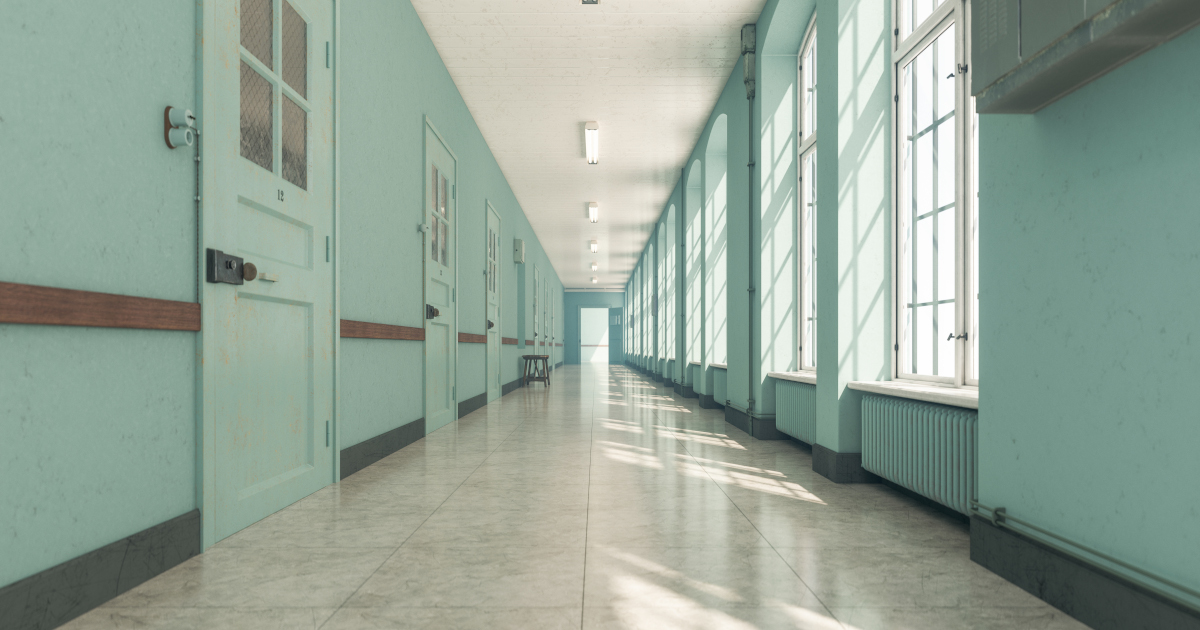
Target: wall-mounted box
(1029,53)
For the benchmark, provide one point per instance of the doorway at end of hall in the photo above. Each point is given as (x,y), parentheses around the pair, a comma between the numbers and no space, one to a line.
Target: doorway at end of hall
(593,335)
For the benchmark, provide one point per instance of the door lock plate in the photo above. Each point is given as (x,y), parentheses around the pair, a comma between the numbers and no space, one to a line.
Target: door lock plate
(223,268)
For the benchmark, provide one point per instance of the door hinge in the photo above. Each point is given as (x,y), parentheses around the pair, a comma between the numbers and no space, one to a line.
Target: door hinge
(326,54)
(453,392)
(453,295)
(327,249)
(896,347)
(454,191)
(326,433)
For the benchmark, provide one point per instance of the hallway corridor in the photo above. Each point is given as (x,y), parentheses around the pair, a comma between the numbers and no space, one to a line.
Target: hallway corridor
(603,501)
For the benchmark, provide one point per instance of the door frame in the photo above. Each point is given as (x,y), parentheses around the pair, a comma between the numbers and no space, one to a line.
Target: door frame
(488,211)
(428,125)
(208,57)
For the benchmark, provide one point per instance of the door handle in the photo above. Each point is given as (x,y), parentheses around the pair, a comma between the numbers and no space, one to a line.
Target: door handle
(491,324)
(431,312)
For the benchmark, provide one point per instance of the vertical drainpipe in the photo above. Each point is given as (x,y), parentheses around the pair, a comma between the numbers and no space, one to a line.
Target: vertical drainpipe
(748,49)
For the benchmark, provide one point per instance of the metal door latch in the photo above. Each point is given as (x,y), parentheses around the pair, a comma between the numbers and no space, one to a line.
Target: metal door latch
(431,311)
(223,267)
(491,324)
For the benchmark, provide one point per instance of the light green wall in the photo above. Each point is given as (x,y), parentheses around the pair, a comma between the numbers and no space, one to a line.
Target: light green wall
(1089,277)
(388,63)
(99,423)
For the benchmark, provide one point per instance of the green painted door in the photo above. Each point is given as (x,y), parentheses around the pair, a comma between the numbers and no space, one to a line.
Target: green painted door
(538,339)
(441,323)
(492,280)
(268,196)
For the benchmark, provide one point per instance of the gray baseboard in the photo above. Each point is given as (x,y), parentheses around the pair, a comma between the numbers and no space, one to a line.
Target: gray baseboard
(55,596)
(841,467)
(678,389)
(761,428)
(688,392)
(1089,593)
(707,402)
(363,454)
(509,388)
(471,404)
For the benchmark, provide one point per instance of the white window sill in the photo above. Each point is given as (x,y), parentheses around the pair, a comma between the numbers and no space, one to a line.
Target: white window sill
(953,396)
(809,378)
(693,363)
(719,366)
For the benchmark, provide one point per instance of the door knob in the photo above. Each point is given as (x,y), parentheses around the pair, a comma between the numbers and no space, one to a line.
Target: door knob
(431,312)
(249,271)
(491,324)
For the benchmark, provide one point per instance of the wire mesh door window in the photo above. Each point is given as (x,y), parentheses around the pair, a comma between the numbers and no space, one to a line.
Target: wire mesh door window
(439,216)
(274,88)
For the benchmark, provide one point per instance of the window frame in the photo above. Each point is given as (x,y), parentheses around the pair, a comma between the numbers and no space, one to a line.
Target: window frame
(806,147)
(954,13)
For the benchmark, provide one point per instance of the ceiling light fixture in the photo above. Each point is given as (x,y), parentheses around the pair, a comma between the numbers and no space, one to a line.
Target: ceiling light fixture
(591,141)
(595,279)
(595,247)
(594,212)
(595,267)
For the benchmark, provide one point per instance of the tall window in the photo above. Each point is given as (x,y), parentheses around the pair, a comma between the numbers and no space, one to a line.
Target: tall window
(807,219)
(935,200)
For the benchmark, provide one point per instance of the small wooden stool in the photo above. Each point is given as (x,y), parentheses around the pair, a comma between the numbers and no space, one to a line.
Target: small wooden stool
(532,372)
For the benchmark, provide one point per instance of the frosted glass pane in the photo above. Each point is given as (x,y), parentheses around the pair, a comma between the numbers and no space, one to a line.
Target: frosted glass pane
(295,50)
(295,144)
(923,341)
(923,89)
(256,118)
(945,73)
(945,347)
(445,256)
(258,29)
(945,255)
(923,174)
(945,162)
(433,237)
(444,197)
(922,272)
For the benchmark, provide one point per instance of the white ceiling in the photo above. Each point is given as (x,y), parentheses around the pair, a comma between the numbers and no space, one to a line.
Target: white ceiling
(534,71)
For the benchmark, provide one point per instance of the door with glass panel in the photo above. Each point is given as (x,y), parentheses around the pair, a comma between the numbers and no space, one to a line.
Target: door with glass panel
(537,315)
(441,323)
(492,282)
(267,367)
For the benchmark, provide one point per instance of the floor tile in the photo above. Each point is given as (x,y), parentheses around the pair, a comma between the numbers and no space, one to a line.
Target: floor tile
(109,618)
(484,577)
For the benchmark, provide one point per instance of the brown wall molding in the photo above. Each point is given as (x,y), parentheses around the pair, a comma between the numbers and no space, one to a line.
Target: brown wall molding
(508,341)
(471,338)
(370,330)
(48,306)
(529,342)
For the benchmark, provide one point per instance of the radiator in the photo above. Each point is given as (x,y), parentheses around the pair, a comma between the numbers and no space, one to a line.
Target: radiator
(796,410)
(927,448)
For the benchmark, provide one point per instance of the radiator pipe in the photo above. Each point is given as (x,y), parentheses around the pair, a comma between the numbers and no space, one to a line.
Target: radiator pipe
(999,517)
(749,41)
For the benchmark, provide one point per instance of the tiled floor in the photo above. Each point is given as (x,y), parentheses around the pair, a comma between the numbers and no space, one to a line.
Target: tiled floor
(603,501)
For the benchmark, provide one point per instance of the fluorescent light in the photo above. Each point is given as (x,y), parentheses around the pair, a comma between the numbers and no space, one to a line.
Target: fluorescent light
(591,140)
(595,247)
(595,267)
(594,212)
(595,279)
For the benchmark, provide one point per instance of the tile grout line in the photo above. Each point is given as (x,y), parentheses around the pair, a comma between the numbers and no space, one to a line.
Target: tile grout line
(587,511)
(761,535)
(418,527)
